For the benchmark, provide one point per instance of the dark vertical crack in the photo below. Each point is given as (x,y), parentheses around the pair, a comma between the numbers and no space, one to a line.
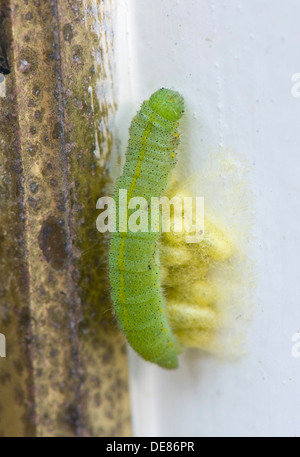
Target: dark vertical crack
(77,410)
(25,322)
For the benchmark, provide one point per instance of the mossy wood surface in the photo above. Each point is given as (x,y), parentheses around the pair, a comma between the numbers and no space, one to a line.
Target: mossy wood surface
(65,373)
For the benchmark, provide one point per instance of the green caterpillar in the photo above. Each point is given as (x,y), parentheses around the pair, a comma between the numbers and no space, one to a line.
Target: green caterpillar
(133,261)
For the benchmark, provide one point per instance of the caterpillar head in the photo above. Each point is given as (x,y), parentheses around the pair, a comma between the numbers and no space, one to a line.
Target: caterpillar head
(167,103)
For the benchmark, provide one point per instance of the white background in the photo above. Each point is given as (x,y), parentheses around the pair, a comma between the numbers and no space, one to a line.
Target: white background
(233,61)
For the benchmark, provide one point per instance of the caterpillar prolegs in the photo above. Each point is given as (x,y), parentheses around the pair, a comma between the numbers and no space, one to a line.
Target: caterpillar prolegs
(134,260)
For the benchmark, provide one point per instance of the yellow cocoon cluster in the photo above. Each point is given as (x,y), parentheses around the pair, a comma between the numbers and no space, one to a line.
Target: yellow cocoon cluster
(192,294)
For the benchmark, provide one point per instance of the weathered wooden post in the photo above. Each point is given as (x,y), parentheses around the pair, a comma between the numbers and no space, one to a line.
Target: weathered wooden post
(65,373)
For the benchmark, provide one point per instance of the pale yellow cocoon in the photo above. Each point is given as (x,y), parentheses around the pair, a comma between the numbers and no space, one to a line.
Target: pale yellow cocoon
(204,283)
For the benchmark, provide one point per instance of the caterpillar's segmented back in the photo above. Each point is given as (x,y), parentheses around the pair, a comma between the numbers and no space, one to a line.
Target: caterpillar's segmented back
(134,263)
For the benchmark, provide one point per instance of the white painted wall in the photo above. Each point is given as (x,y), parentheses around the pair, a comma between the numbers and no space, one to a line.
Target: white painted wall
(233,61)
